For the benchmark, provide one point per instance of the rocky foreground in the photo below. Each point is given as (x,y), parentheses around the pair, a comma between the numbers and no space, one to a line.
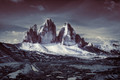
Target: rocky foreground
(18,64)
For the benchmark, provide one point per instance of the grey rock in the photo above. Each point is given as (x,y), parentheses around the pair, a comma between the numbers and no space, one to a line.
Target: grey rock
(47,32)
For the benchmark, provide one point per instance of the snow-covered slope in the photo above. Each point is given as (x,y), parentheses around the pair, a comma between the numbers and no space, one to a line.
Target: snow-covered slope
(33,47)
(59,49)
(105,44)
(74,51)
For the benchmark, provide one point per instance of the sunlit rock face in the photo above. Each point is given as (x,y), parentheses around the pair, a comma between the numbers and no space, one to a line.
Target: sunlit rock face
(47,32)
(67,35)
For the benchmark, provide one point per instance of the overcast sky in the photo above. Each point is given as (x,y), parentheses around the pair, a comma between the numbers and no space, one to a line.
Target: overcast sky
(91,18)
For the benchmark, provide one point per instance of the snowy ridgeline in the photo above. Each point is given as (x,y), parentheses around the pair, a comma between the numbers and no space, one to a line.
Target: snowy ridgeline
(104,43)
(59,49)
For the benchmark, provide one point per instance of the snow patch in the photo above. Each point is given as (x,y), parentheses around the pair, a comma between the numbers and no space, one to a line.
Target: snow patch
(34,69)
(33,47)
(25,70)
(47,38)
(66,29)
(41,29)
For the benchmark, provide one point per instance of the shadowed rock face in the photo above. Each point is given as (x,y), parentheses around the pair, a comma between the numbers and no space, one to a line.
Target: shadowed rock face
(31,35)
(48,32)
(77,38)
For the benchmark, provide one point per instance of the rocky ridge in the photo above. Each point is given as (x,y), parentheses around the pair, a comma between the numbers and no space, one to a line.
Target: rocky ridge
(47,34)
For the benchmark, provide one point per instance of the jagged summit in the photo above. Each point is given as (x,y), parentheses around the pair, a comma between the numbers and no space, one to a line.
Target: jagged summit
(66,24)
(67,35)
(48,22)
(31,35)
(34,27)
(47,34)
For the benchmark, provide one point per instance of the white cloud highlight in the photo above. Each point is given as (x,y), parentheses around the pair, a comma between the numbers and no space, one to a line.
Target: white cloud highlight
(12,37)
(16,1)
(40,7)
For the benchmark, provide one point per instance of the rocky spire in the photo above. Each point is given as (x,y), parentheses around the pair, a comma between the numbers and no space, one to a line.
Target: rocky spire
(66,35)
(48,32)
(31,35)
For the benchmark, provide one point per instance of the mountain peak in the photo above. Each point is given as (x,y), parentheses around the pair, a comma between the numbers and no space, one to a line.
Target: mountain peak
(48,19)
(48,22)
(48,32)
(31,35)
(66,23)
(67,26)
(34,27)
(67,35)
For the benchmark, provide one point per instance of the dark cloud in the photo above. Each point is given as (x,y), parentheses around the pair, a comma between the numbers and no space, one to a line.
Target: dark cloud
(5,27)
(90,14)
(16,1)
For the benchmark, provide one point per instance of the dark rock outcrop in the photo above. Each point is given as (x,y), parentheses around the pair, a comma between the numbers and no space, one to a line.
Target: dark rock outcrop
(31,35)
(77,38)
